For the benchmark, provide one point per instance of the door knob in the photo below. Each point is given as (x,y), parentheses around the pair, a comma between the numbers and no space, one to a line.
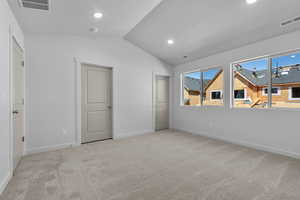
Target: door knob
(109,107)
(15,112)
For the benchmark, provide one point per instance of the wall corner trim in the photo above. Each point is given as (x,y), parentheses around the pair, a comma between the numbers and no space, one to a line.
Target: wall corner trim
(5,182)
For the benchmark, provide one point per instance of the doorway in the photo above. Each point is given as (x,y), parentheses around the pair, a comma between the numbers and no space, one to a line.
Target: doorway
(96,102)
(161,103)
(17,92)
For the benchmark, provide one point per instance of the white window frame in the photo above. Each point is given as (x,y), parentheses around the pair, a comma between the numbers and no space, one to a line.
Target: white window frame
(182,77)
(221,91)
(277,94)
(269,57)
(232,97)
(182,89)
(291,95)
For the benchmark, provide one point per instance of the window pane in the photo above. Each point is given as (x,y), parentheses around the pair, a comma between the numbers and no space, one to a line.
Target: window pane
(216,95)
(286,75)
(239,94)
(249,82)
(213,86)
(192,89)
(275,91)
(296,92)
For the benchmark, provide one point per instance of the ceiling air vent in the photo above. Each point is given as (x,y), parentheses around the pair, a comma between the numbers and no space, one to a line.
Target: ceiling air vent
(35,4)
(290,21)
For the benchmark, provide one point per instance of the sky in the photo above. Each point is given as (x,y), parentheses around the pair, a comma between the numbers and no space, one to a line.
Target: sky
(286,60)
(196,75)
(262,64)
(208,75)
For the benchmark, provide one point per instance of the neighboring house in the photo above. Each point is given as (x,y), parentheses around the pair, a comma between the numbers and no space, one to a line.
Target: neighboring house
(213,90)
(250,87)
(192,88)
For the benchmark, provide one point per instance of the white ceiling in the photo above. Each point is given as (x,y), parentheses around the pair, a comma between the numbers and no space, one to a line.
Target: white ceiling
(204,27)
(199,27)
(75,16)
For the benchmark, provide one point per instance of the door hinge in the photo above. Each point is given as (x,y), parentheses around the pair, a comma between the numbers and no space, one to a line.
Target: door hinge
(23,101)
(23,139)
(23,63)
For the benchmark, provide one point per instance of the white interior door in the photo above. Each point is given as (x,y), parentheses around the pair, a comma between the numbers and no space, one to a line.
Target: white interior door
(162,103)
(96,103)
(18,103)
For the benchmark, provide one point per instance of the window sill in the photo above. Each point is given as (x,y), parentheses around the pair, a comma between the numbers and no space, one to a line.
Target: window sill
(267,109)
(201,107)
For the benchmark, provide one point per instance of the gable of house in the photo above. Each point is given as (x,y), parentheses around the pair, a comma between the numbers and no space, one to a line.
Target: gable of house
(216,84)
(254,82)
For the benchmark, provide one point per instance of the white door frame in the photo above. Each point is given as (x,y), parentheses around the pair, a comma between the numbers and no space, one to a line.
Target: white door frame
(78,119)
(154,74)
(13,38)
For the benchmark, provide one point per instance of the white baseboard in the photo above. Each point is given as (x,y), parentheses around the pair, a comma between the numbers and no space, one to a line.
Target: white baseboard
(131,134)
(5,182)
(62,146)
(47,148)
(247,144)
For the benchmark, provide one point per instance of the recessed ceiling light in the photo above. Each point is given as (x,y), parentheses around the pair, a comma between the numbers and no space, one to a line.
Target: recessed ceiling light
(170,41)
(251,1)
(293,56)
(98,15)
(94,29)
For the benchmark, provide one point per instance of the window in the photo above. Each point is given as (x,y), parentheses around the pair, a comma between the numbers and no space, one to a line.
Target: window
(286,75)
(253,79)
(275,91)
(295,93)
(192,87)
(249,81)
(213,85)
(216,95)
(203,88)
(239,94)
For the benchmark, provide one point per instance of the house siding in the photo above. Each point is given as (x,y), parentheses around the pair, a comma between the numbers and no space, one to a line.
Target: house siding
(283,99)
(256,96)
(216,85)
(252,92)
(193,98)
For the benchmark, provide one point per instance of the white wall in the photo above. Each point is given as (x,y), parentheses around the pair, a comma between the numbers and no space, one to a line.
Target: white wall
(51,86)
(7,22)
(272,130)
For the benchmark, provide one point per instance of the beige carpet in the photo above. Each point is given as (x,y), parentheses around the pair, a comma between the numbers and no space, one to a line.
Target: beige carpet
(160,166)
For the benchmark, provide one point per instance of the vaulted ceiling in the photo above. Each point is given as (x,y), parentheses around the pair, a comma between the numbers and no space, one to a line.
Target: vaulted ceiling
(75,17)
(199,28)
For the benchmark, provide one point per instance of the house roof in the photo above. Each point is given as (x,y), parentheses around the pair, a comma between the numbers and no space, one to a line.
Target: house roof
(209,82)
(281,75)
(194,84)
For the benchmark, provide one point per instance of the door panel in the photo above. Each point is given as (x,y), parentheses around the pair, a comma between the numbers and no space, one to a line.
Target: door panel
(18,103)
(162,103)
(97,86)
(96,121)
(96,103)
